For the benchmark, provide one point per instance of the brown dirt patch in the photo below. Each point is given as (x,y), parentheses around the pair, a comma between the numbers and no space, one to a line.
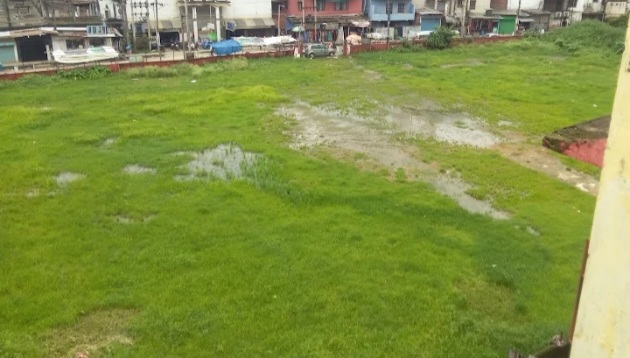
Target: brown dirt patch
(93,334)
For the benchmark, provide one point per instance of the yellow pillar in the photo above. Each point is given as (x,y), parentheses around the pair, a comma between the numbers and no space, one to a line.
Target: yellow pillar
(603,321)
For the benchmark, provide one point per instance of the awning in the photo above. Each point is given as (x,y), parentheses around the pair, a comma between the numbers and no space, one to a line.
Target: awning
(173,25)
(257,23)
(526,20)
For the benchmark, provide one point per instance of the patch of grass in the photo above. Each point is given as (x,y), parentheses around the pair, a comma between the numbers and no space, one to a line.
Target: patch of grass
(540,97)
(313,257)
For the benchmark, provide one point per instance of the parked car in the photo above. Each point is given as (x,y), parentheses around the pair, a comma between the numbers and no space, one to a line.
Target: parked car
(317,50)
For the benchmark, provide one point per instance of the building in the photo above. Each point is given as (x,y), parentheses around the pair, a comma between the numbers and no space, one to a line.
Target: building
(30,30)
(37,44)
(394,16)
(250,18)
(329,21)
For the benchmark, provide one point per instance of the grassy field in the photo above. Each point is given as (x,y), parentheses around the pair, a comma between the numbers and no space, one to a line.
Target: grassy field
(302,254)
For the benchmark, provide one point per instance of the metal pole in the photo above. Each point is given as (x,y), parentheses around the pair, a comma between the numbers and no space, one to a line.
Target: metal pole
(518,14)
(148,7)
(187,39)
(157,28)
(388,10)
(464,10)
(279,6)
(315,25)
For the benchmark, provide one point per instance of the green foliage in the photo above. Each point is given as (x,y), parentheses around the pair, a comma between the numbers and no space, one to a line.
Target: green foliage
(407,46)
(620,21)
(187,69)
(588,35)
(440,38)
(89,73)
(312,257)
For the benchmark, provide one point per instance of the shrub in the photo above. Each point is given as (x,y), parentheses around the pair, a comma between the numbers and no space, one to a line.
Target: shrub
(93,72)
(593,35)
(621,21)
(440,38)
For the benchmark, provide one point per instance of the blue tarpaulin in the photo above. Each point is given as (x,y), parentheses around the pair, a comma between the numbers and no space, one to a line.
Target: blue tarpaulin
(227,47)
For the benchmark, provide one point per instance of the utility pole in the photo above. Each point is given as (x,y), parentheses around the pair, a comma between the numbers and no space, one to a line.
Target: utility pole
(157,27)
(518,14)
(123,14)
(187,40)
(315,26)
(279,6)
(388,10)
(303,23)
(465,5)
(146,4)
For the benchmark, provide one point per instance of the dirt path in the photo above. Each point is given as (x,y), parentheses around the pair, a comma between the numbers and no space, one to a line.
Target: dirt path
(539,158)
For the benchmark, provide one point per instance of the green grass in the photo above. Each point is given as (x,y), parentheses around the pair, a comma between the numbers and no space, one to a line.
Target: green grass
(313,257)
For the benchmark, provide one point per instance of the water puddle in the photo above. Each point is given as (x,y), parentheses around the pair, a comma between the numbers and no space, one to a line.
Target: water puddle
(33,193)
(453,128)
(319,127)
(109,142)
(138,169)
(126,220)
(225,162)
(65,178)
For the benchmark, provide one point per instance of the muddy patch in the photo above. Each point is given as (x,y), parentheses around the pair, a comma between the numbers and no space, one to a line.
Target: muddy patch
(532,231)
(225,162)
(65,178)
(453,128)
(135,169)
(108,142)
(469,63)
(126,219)
(373,75)
(542,160)
(33,193)
(455,188)
(367,138)
(92,335)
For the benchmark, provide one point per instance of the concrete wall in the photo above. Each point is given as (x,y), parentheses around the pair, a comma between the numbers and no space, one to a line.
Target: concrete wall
(603,319)
(614,9)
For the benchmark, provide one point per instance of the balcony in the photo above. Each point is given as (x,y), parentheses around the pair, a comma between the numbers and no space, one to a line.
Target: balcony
(378,12)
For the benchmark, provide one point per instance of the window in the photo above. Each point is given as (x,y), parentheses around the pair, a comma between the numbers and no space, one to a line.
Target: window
(460,3)
(341,6)
(401,7)
(97,42)
(321,5)
(473,3)
(389,7)
(300,6)
(430,4)
(74,44)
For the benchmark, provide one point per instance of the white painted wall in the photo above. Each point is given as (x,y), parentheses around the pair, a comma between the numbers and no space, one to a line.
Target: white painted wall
(243,9)
(170,10)
(525,4)
(603,320)
(616,8)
